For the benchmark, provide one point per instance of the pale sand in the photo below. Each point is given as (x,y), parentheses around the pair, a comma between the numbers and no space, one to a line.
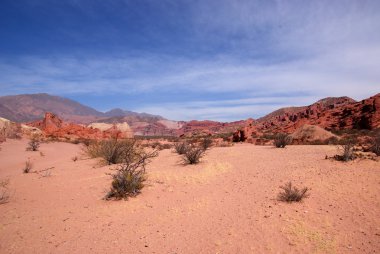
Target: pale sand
(225,204)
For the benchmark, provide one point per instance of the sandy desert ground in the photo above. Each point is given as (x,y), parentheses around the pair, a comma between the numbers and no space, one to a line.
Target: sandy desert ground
(225,204)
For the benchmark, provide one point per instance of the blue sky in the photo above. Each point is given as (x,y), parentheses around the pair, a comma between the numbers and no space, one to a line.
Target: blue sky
(216,59)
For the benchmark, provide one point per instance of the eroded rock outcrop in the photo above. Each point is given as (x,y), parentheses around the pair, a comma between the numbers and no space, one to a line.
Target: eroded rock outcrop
(330,114)
(52,126)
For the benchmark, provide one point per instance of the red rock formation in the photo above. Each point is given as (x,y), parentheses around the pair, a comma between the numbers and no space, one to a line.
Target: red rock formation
(53,126)
(330,114)
(210,127)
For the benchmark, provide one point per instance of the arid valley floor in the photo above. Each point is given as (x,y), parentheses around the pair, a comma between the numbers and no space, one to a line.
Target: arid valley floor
(225,204)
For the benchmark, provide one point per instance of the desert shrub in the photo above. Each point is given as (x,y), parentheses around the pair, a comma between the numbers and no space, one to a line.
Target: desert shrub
(206,143)
(269,136)
(291,193)
(75,141)
(33,144)
(224,144)
(181,147)
(4,193)
(193,154)
(129,178)
(159,146)
(112,151)
(74,159)
(332,141)
(375,145)
(85,141)
(28,166)
(165,146)
(281,140)
(347,151)
(156,145)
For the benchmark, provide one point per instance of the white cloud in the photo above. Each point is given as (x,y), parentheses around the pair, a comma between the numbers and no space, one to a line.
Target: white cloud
(316,48)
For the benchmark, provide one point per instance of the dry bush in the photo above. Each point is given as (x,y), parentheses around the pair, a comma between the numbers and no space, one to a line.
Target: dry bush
(292,194)
(347,151)
(112,151)
(193,154)
(206,143)
(28,167)
(4,193)
(375,145)
(281,140)
(74,159)
(181,147)
(165,146)
(159,146)
(34,143)
(130,176)
(224,144)
(45,173)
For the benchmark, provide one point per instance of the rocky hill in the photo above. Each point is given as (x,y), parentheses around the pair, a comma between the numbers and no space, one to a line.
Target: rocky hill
(29,107)
(330,114)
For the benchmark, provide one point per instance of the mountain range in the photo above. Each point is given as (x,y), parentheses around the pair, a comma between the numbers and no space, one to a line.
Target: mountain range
(329,113)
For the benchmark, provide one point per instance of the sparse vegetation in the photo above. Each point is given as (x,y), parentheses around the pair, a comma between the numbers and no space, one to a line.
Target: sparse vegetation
(74,159)
(28,167)
(4,193)
(291,193)
(181,147)
(34,143)
(347,151)
(206,143)
(375,145)
(112,151)
(45,173)
(193,154)
(159,146)
(130,176)
(281,140)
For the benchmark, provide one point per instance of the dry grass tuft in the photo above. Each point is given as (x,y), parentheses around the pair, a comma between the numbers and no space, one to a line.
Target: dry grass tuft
(291,193)
(4,193)
(28,167)
(113,151)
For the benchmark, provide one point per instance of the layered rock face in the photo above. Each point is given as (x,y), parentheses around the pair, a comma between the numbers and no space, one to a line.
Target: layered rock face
(330,114)
(51,125)
(193,128)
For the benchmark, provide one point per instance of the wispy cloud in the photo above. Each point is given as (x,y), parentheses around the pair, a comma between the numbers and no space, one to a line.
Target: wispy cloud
(304,50)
